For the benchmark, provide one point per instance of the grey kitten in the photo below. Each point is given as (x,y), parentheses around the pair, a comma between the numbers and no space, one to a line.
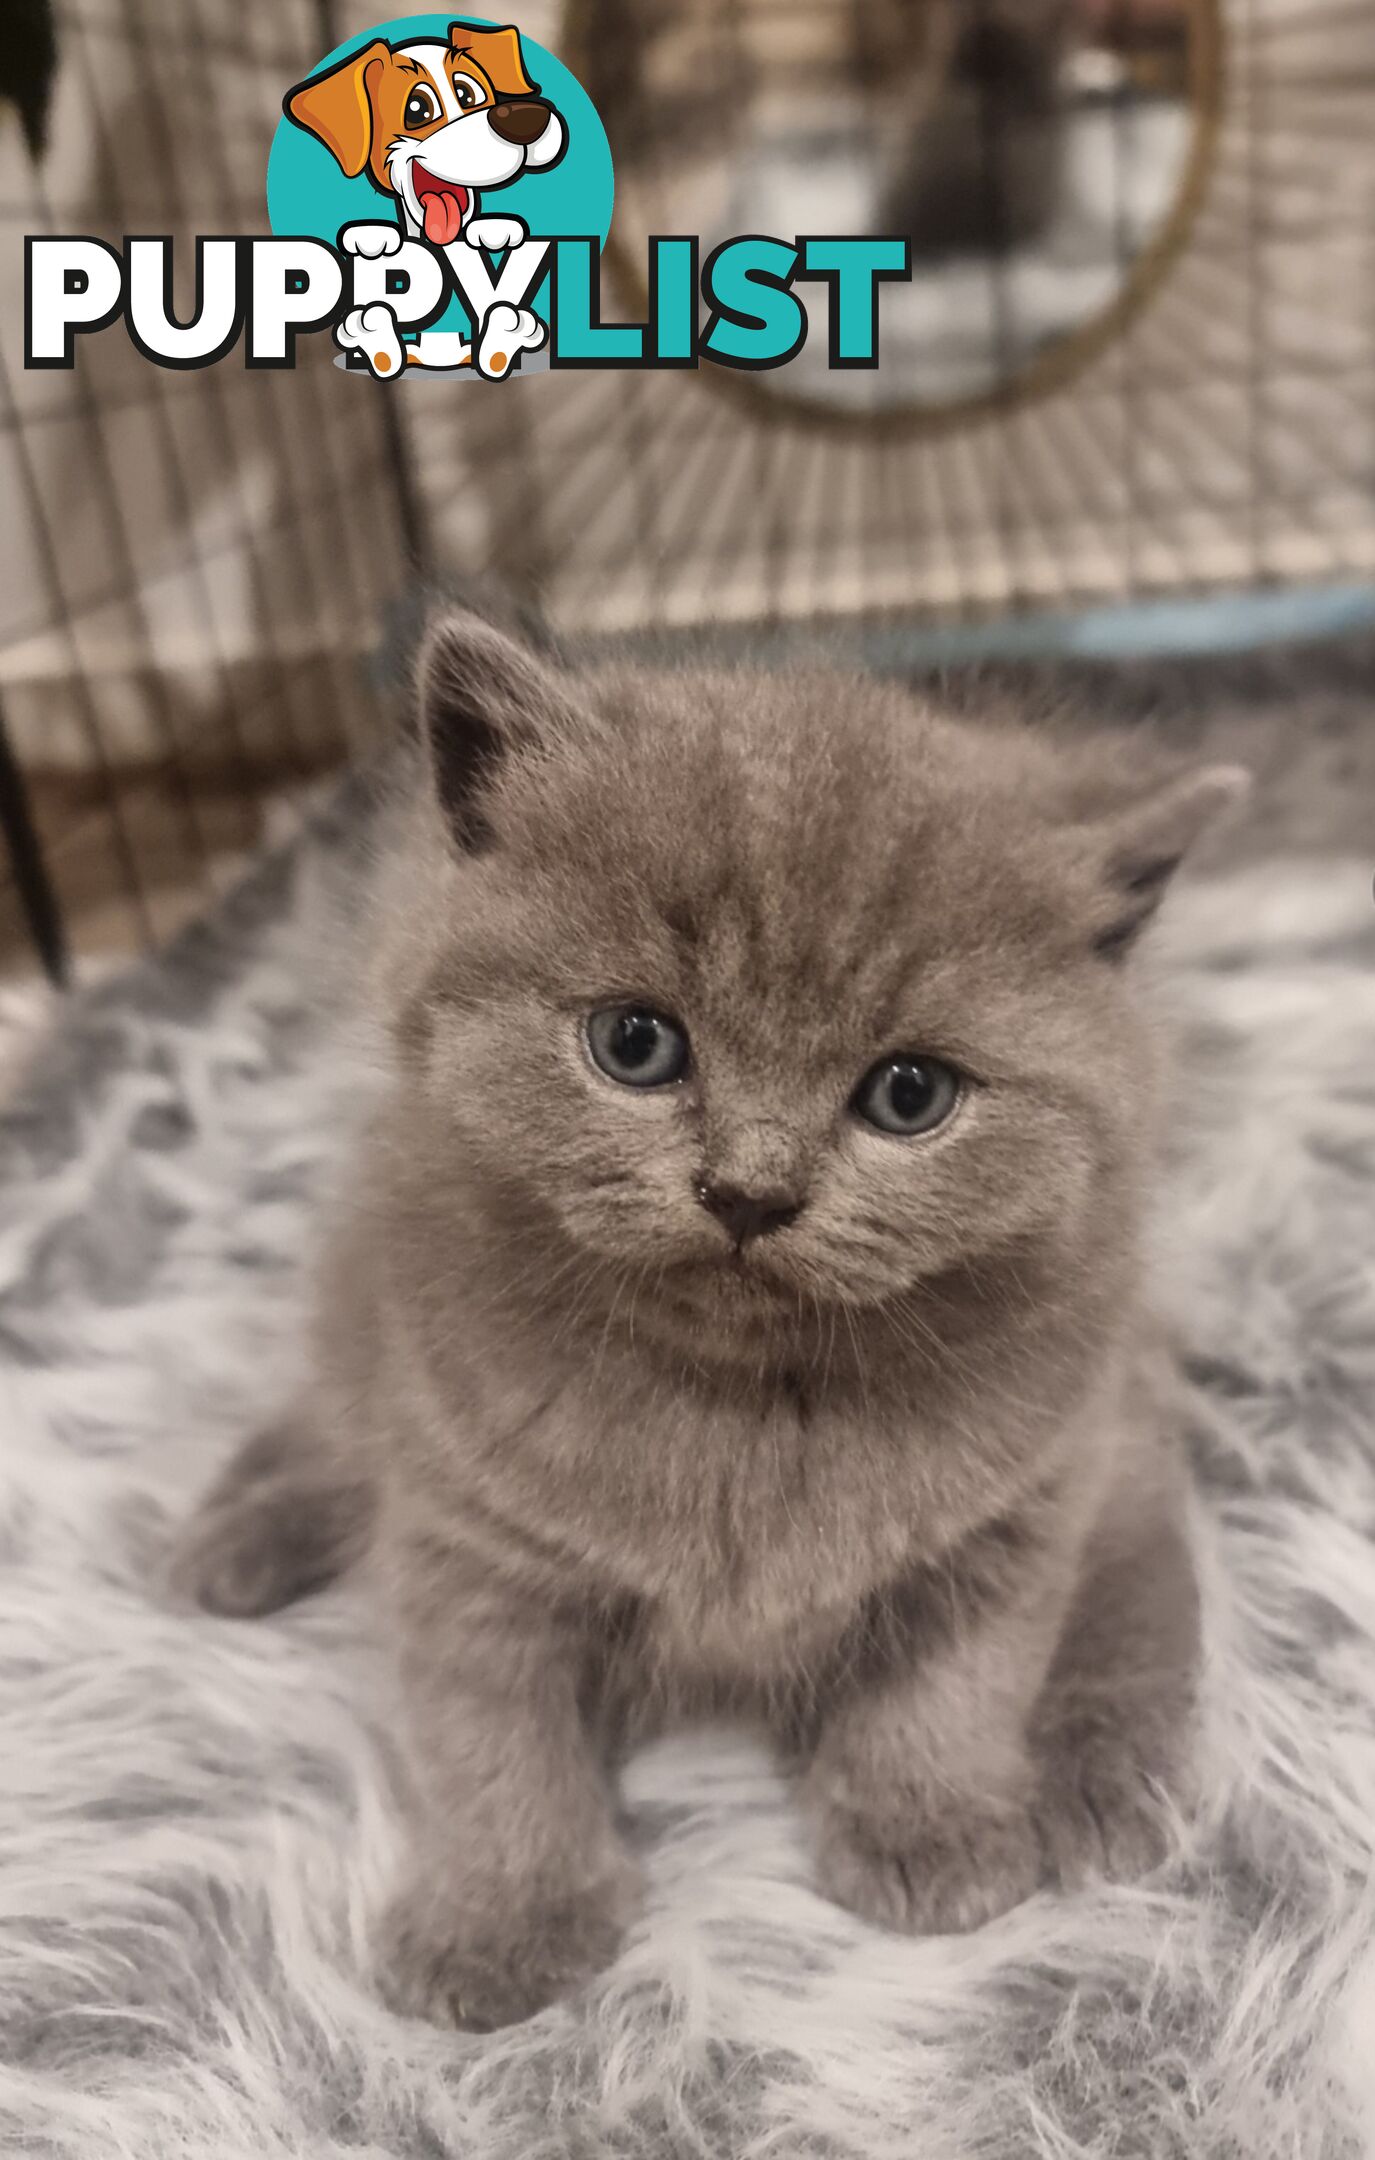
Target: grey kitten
(741,1308)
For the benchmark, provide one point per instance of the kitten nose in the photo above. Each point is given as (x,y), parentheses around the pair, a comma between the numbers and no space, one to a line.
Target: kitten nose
(520,121)
(749,1214)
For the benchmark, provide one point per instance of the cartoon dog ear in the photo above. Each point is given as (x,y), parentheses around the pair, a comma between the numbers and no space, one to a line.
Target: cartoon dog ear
(498,54)
(337,107)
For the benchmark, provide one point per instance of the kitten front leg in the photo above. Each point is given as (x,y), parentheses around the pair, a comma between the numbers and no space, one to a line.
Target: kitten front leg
(1114,1732)
(921,1783)
(1034,1733)
(518,1886)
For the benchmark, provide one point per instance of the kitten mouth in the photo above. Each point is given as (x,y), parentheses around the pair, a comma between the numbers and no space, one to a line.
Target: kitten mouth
(736,1276)
(762,1285)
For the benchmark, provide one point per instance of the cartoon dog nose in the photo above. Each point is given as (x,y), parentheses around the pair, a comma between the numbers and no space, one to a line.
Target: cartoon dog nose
(521,120)
(749,1214)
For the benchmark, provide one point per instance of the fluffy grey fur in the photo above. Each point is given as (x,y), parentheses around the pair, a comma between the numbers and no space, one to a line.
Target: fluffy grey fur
(196,1818)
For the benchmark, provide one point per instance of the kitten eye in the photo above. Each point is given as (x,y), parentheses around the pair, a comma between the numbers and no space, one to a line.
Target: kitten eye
(907,1095)
(637,1046)
(422,106)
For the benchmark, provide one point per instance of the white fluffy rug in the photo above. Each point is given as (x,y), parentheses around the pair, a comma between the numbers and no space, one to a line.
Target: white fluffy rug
(194,1814)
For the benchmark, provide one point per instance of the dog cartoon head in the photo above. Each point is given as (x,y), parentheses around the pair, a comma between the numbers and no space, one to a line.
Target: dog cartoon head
(433,123)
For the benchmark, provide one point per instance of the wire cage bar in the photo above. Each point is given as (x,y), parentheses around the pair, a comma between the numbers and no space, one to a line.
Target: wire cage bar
(196,564)
(199,567)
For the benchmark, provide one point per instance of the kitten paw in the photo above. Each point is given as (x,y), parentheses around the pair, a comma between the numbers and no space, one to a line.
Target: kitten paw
(1103,1809)
(941,1875)
(249,1557)
(268,1533)
(435,1965)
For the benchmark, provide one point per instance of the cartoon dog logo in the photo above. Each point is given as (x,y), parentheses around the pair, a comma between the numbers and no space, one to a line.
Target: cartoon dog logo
(432,125)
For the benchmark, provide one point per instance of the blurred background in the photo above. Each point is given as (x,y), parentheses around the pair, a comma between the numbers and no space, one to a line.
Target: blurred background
(1127,402)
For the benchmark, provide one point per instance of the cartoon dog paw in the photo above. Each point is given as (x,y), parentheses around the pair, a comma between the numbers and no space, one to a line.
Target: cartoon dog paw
(371,240)
(507,333)
(496,234)
(372,332)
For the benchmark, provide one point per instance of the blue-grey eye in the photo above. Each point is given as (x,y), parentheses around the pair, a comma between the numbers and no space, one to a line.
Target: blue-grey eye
(638,1046)
(906,1095)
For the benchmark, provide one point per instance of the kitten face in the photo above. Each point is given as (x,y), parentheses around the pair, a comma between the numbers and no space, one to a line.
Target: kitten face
(806,877)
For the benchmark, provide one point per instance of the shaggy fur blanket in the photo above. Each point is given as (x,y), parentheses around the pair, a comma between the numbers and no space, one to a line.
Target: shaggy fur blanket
(196,1815)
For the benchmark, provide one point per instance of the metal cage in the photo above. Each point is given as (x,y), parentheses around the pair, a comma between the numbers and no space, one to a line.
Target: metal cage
(199,566)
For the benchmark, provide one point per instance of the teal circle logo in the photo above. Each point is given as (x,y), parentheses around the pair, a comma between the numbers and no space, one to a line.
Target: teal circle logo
(455,132)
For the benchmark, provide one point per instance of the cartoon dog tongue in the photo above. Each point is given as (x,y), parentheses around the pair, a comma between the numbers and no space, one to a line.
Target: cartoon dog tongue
(444,209)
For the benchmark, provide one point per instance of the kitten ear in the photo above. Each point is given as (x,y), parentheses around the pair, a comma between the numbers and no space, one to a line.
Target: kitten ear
(1138,849)
(482,695)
